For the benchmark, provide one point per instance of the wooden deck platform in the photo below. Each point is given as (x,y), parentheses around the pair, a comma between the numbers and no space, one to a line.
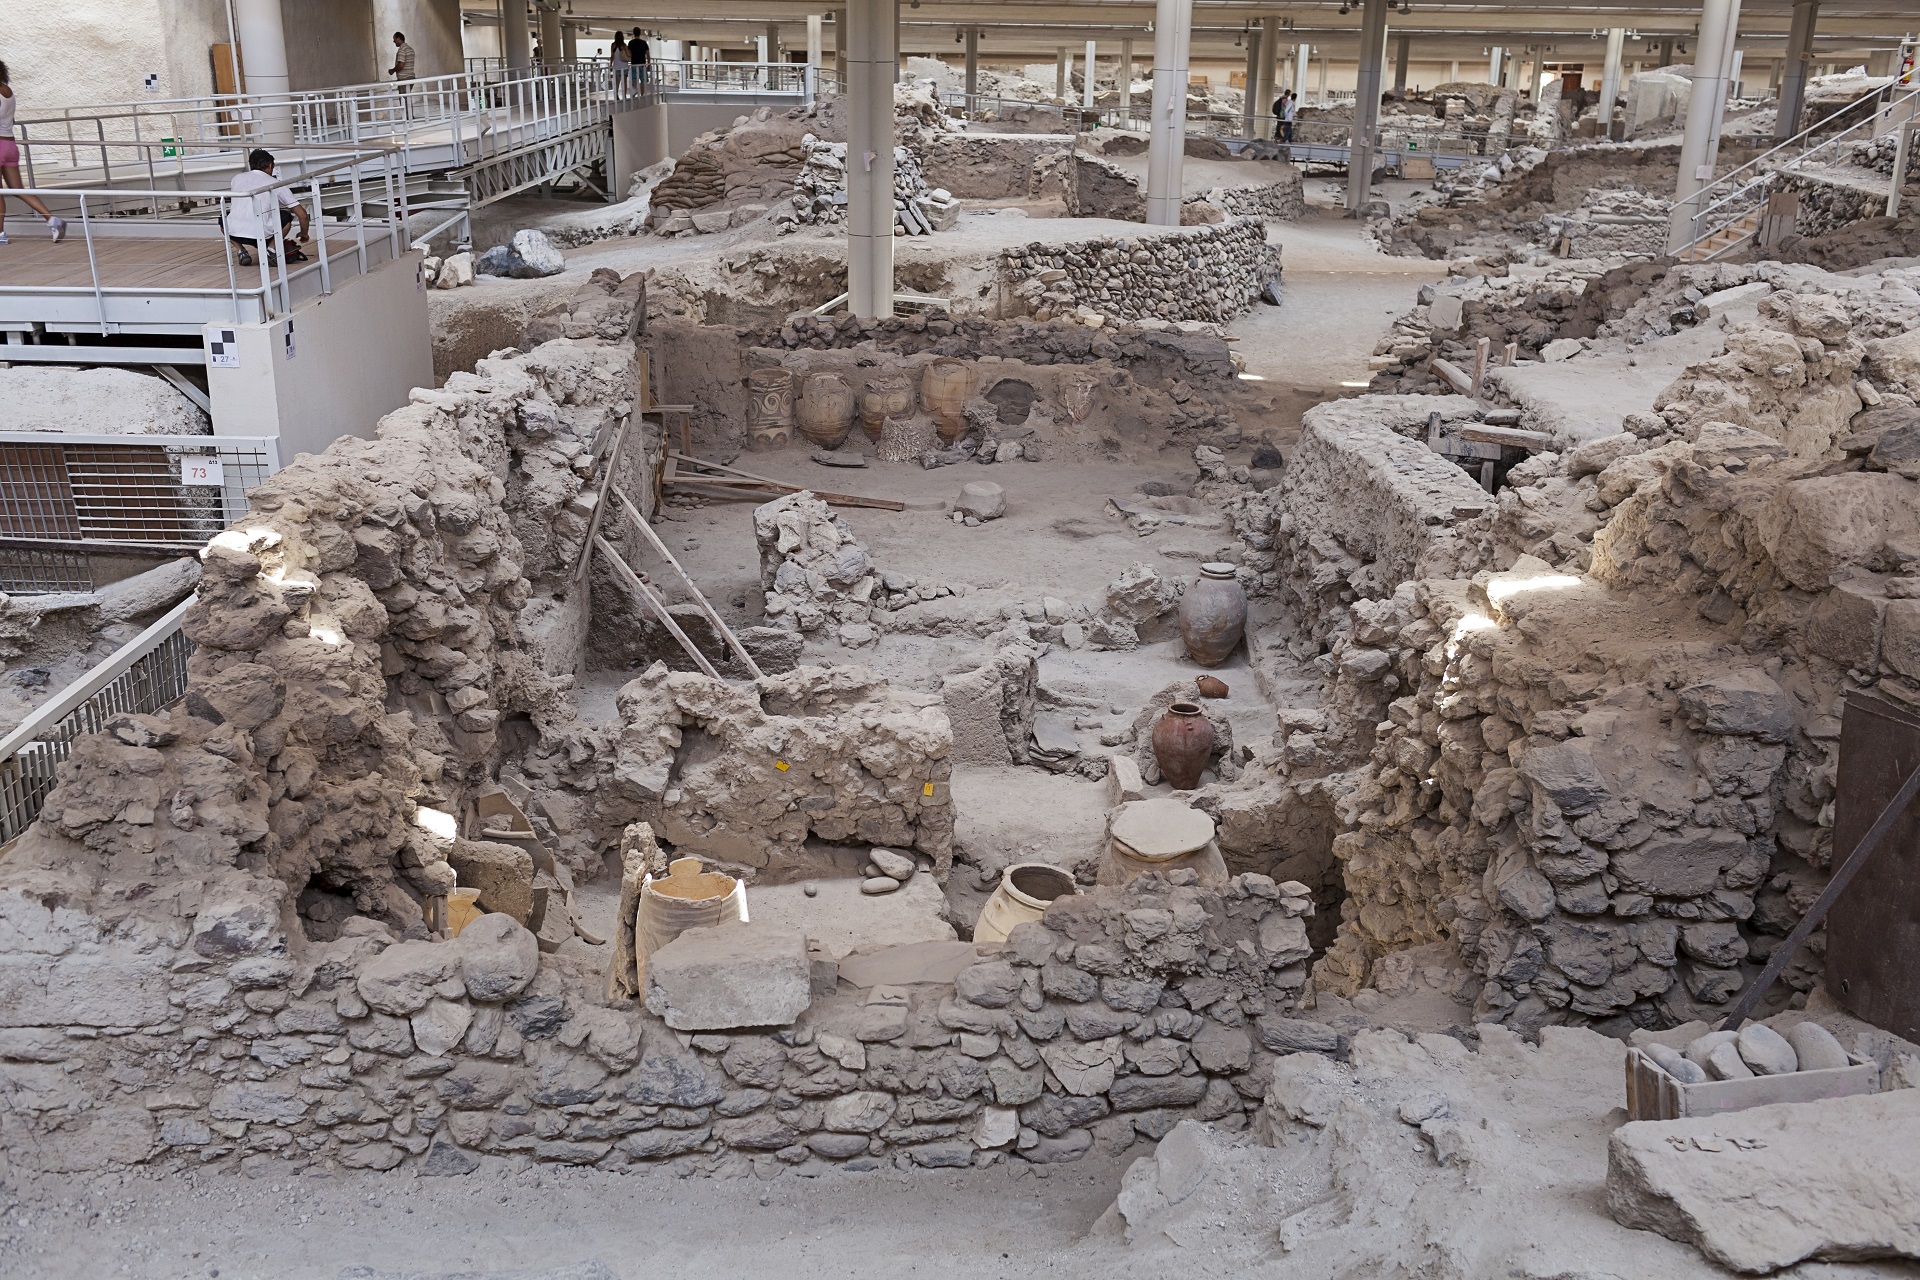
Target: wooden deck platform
(34,261)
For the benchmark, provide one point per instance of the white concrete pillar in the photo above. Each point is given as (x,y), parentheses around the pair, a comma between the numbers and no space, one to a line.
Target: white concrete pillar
(570,43)
(1793,80)
(516,42)
(1062,72)
(1610,78)
(1325,61)
(816,44)
(1125,80)
(1717,30)
(1731,70)
(1269,62)
(1453,71)
(550,37)
(1402,52)
(1366,103)
(840,48)
(973,66)
(872,60)
(263,59)
(1086,92)
(1733,76)
(1167,149)
(1302,59)
(1494,66)
(1251,110)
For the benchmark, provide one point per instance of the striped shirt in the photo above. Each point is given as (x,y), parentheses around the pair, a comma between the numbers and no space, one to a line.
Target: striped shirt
(403,62)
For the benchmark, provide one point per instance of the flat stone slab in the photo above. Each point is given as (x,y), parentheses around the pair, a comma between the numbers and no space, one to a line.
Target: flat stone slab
(1161,828)
(905,965)
(1765,1188)
(731,975)
(843,921)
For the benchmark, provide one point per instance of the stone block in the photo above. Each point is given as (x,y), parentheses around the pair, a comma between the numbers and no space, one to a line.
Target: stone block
(1765,1188)
(1900,638)
(1746,703)
(1565,772)
(1124,783)
(733,975)
(1683,864)
(1845,626)
(503,873)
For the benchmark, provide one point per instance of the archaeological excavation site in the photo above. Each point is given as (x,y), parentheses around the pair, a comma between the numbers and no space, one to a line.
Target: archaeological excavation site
(1180,637)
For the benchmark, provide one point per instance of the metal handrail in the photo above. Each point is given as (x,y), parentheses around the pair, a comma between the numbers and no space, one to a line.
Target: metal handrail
(480,114)
(147,674)
(115,212)
(1702,229)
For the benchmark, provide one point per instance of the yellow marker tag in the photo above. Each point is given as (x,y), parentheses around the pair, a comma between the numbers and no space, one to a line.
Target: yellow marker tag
(927,790)
(781,765)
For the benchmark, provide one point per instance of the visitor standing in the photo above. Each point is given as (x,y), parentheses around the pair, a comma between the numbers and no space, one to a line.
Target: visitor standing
(641,57)
(621,59)
(1288,115)
(1279,114)
(402,71)
(10,166)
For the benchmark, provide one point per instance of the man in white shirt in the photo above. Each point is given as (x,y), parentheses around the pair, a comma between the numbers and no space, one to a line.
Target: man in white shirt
(247,224)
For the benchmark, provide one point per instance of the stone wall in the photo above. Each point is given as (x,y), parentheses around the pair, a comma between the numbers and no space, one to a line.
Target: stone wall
(1591,745)
(1210,273)
(239,1045)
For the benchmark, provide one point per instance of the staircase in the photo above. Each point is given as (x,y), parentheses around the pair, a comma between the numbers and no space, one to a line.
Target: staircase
(1732,210)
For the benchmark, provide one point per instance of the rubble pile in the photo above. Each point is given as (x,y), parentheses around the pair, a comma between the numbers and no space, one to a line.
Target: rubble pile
(1621,222)
(812,568)
(1529,308)
(1210,273)
(820,193)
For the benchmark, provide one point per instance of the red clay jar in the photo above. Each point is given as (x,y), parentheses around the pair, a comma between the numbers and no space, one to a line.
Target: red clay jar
(1182,744)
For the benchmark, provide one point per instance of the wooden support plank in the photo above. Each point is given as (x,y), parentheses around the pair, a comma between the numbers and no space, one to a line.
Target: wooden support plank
(733,641)
(654,603)
(834,499)
(1511,437)
(1481,350)
(1453,374)
(600,502)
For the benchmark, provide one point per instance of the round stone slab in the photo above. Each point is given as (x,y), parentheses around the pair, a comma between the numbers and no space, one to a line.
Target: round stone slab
(1161,828)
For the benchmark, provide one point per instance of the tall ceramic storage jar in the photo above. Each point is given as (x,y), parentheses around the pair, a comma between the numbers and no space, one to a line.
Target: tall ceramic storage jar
(826,410)
(770,408)
(1213,615)
(1183,741)
(687,897)
(943,390)
(888,396)
(1023,893)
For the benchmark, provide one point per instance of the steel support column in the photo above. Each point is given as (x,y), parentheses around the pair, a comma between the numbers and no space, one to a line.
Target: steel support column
(973,67)
(1610,78)
(263,56)
(1798,69)
(871,62)
(1717,30)
(1402,52)
(1086,79)
(1366,103)
(1125,81)
(1172,34)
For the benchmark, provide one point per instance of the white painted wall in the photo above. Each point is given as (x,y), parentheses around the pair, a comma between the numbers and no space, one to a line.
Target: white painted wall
(98,51)
(433,29)
(357,354)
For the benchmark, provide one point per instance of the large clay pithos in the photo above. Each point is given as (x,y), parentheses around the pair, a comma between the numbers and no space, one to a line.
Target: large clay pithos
(1024,892)
(944,388)
(888,396)
(1182,744)
(1213,615)
(770,408)
(826,410)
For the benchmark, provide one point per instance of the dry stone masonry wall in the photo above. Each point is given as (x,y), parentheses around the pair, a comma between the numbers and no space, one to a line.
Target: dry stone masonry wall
(1208,273)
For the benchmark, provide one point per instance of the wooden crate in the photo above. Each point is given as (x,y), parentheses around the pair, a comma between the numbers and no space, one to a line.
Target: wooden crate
(1652,1094)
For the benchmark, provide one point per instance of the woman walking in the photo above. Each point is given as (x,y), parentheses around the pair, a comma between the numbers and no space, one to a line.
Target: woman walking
(10,166)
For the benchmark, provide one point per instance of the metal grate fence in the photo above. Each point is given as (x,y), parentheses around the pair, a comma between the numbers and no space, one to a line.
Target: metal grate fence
(149,492)
(36,569)
(147,674)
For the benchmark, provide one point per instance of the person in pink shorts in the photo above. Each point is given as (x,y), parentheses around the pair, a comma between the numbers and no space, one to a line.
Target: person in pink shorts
(10,165)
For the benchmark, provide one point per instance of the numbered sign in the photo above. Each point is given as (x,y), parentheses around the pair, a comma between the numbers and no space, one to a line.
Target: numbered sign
(202,469)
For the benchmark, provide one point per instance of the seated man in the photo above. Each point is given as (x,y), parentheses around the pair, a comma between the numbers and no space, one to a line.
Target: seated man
(247,214)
